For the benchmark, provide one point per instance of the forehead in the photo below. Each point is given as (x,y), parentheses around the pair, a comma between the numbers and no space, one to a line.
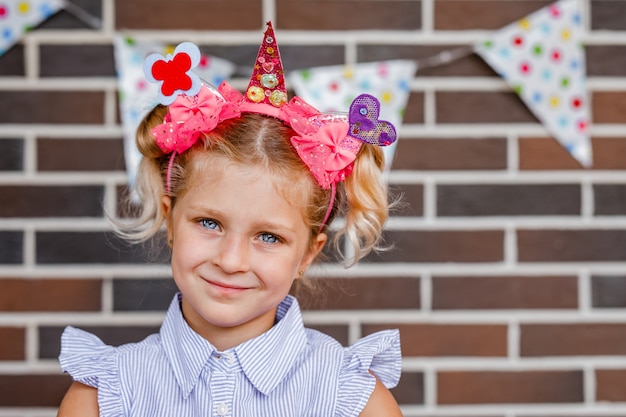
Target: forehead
(215,168)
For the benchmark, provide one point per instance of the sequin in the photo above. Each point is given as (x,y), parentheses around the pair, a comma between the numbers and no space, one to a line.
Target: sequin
(278,98)
(270,50)
(255,94)
(269,39)
(269,80)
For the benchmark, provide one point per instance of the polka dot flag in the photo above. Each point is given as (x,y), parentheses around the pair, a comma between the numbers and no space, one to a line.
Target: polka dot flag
(20,16)
(542,57)
(137,96)
(333,88)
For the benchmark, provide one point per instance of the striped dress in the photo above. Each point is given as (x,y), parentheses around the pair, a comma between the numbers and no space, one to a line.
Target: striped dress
(287,371)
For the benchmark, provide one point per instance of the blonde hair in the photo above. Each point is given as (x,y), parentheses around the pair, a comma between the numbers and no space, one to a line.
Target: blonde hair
(257,140)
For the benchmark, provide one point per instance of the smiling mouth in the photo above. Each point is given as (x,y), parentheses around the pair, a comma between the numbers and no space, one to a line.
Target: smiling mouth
(225,287)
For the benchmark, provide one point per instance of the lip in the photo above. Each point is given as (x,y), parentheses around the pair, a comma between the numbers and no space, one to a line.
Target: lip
(226,288)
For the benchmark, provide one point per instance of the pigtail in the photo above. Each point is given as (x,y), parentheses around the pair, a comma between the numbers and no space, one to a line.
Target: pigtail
(146,216)
(365,204)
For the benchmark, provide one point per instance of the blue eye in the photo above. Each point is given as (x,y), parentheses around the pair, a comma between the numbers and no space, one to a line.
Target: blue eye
(268,238)
(209,224)
(363,111)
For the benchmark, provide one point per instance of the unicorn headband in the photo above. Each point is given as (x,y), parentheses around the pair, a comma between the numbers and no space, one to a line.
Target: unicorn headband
(327,143)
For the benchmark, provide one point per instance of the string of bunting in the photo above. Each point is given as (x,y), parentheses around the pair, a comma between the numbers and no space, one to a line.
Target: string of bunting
(540,56)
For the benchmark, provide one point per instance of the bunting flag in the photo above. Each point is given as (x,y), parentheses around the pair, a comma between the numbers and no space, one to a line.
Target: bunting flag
(20,16)
(333,88)
(137,96)
(542,57)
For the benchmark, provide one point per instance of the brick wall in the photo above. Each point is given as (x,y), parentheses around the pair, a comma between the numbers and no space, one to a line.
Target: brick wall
(508,281)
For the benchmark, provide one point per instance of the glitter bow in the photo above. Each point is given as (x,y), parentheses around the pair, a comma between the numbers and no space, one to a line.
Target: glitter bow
(189,117)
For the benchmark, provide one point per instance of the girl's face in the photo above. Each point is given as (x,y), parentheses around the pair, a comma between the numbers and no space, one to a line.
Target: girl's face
(237,246)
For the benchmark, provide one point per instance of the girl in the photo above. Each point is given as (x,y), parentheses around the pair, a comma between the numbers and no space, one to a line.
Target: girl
(246,186)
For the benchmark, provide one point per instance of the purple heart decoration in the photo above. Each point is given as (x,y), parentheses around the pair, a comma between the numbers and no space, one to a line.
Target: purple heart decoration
(365,125)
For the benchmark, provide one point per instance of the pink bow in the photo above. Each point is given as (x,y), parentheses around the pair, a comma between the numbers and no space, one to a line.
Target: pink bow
(328,152)
(188,118)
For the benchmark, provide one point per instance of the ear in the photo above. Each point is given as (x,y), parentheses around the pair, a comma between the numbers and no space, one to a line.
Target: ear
(166,206)
(314,249)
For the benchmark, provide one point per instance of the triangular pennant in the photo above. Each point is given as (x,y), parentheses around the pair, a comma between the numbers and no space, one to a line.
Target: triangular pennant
(542,57)
(333,88)
(18,17)
(137,96)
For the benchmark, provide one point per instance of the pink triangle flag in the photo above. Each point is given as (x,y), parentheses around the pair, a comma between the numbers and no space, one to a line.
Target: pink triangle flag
(542,57)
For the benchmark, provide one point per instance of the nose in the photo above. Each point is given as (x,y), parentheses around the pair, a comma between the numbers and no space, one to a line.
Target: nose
(232,254)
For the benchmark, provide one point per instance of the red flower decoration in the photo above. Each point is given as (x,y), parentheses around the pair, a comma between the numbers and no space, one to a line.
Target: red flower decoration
(173,73)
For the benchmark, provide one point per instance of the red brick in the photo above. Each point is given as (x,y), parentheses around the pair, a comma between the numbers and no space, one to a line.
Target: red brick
(481,107)
(52,106)
(81,60)
(410,389)
(51,201)
(13,345)
(609,199)
(50,294)
(485,14)
(545,154)
(11,154)
(508,199)
(512,387)
(12,62)
(609,107)
(504,292)
(610,385)
(608,15)
(442,246)
(565,339)
(408,200)
(549,154)
(608,153)
(50,337)
(11,247)
(444,340)
(608,291)
(571,245)
(414,112)
(437,154)
(33,390)
(365,294)
(332,15)
(606,60)
(189,15)
(96,248)
(80,154)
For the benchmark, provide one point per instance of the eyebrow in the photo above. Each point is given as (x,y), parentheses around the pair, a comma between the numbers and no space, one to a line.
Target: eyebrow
(264,224)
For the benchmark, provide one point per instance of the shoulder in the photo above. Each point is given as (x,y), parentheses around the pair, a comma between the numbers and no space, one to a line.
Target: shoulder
(79,401)
(381,403)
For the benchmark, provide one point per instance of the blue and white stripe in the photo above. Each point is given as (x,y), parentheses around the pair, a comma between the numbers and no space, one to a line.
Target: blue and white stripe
(287,371)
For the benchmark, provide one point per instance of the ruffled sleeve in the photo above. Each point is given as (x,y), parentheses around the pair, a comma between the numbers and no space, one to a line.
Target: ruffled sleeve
(377,354)
(89,361)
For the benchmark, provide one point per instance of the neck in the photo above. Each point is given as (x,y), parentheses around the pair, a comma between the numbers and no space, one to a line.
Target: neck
(222,337)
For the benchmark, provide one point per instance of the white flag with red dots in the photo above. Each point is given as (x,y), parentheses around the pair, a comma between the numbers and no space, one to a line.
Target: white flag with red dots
(333,88)
(542,57)
(17,17)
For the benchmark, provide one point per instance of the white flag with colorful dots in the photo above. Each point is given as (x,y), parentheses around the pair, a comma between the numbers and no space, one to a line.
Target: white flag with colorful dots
(20,16)
(137,96)
(333,88)
(542,57)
